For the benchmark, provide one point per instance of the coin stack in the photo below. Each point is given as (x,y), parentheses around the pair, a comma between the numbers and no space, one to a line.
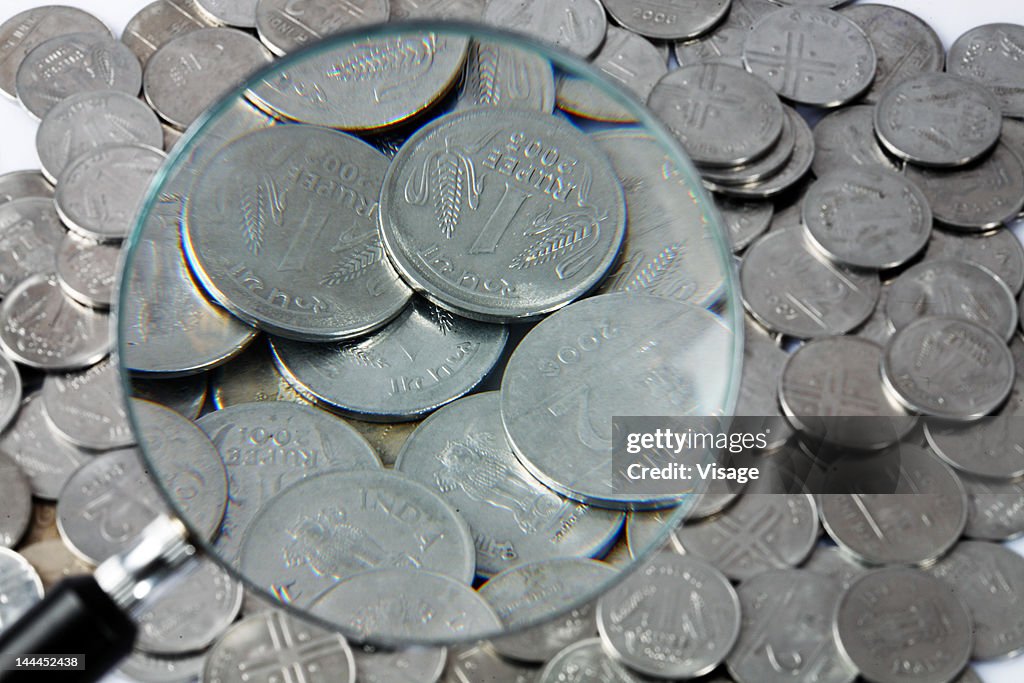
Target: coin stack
(257,335)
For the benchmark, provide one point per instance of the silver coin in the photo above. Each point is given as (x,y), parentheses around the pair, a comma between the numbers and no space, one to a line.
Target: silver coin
(995,509)
(398,605)
(192,614)
(952,288)
(425,358)
(22,184)
(75,63)
(763,362)
(167,325)
(810,55)
(643,529)
(141,667)
(767,166)
(20,587)
(756,533)
(276,645)
(922,119)
(42,328)
(791,290)
(328,528)
(846,138)
(183,461)
(632,62)
(787,177)
(890,617)
(87,407)
(675,617)
(11,390)
(266,447)
(481,663)
(466,10)
(670,247)
(533,592)
(271,258)
(501,215)
(87,271)
(239,13)
(16,508)
(30,235)
(989,579)
(32,27)
(977,197)
(105,505)
(1012,136)
(462,454)
(251,377)
(575,25)
(499,75)
(609,355)
(722,115)
(160,22)
(80,123)
(46,459)
(724,43)
(586,660)
(411,72)
(745,221)
(999,251)
(989,55)
(831,389)
(805,651)
(968,675)
(867,218)
(191,72)
(877,328)
(905,45)
(184,395)
(992,446)
(100,192)
(285,26)
(916,368)
(886,529)
(405,665)
(826,4)
(672,20)
(831,562)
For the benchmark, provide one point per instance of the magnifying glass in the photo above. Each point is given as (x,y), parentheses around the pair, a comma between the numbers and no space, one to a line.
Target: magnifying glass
(432,310)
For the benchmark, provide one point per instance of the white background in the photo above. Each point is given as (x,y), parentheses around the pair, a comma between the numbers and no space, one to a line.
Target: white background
(949,18)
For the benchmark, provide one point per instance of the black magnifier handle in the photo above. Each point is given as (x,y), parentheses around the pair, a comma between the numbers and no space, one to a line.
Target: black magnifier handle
(83,627)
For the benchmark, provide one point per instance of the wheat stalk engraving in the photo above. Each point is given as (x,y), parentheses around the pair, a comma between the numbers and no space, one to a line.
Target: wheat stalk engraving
(442,319)
(255,205)
(654,271)
(568,238)
(362,357)
(103,66)
(450,177)
(382,59)
(354,261)
(483,72)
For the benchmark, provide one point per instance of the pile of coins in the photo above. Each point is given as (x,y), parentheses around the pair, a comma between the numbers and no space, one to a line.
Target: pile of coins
(857,306)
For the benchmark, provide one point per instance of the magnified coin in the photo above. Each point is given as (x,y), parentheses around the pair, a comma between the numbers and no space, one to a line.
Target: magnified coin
(413,71)
(20,587)
(265,447)
(42,328)
(184,395)
(183,460)
(499,75)
(423,359)
(461,453)
(917,602)
(74,63)
(263,640)
(466,10)
(302,222)
(527,592)
(315,534)
(501,215)
(609,355)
